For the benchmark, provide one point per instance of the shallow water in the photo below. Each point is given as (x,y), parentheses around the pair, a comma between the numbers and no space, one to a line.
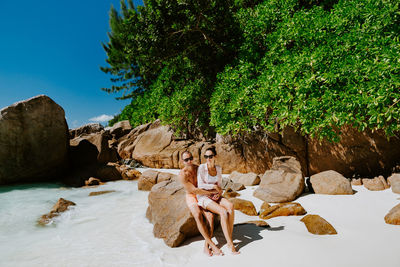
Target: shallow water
(103,230)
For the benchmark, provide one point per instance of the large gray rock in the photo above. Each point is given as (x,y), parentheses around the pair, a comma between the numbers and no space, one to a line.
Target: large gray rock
(33,141)
(168,212)
(246,179)
(331,183)
(394,181)
(283,183)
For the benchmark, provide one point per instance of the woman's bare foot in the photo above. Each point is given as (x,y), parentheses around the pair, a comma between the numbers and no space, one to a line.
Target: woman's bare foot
(207,250)
(233,250)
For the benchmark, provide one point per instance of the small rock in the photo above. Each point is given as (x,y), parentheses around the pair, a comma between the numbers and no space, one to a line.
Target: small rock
(331,183)
(96,193)
(375,184)
(356,181)
(227,183)
(264,207)
(131,174)
(245,206)
(61,206)
(247,179)
(394,181)
(283,209)
(318,225)
(230,193)
(93,181)
(393,217)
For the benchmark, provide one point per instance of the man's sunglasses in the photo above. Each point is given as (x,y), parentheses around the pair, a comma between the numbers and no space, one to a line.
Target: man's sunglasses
(208,156)
(187,159)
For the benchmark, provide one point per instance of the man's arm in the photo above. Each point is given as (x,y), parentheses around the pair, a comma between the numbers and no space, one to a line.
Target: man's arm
(190,188)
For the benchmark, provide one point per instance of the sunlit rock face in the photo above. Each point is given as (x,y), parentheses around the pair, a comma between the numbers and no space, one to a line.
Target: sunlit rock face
(33,141)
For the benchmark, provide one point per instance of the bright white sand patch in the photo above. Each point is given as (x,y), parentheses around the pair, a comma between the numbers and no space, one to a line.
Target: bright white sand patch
(363,239)
(111,230)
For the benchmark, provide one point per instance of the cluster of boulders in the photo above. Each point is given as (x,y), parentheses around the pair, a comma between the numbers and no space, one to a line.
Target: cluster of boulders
(282,184)
(37,145)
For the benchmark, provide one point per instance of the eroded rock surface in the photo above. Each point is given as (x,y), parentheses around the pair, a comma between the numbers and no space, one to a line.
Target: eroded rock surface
(283,183)
(169,214)
(283,209)
(61,206)
(393,217)
(33,141)
(245,206)
(247,179)
(376,184)
(317,225)
(331,183)
(394,181)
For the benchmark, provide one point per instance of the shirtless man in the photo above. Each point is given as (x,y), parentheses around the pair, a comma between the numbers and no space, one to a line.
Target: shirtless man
(188,178)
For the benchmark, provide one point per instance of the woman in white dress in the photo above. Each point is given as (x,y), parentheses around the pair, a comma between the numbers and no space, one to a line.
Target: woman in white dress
(209,177)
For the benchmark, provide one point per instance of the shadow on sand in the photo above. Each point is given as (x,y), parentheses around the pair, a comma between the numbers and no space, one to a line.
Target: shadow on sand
(243,234)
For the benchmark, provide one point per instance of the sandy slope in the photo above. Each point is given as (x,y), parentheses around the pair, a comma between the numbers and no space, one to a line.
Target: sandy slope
(364,239)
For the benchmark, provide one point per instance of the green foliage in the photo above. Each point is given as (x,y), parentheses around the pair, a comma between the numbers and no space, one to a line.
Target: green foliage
(171,50)
(237,65)
(313,69)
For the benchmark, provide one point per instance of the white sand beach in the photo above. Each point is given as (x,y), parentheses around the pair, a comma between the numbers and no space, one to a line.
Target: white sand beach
(363,239)
(112,230)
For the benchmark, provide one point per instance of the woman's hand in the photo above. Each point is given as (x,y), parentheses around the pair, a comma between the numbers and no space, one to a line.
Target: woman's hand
(216,196)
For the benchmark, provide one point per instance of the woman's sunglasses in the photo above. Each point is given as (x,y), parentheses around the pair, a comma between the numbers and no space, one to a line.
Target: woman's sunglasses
(187,159)
(208,156)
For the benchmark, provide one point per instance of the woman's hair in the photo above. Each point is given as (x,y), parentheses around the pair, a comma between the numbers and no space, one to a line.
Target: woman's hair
(212,149)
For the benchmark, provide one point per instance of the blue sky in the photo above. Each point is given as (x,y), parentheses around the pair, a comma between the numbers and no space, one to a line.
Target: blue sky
(54,48)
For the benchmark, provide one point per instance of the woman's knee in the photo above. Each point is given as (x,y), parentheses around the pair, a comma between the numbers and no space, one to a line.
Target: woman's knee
(223,214)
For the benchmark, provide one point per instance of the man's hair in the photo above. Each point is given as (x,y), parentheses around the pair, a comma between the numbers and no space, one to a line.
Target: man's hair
(186,151)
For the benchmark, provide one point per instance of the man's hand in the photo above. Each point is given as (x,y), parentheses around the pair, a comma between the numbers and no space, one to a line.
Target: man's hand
(216,196)
(212,192)
(218,189)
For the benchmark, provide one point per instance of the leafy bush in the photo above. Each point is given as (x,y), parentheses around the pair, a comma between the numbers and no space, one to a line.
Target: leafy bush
(320,69)
(315,65)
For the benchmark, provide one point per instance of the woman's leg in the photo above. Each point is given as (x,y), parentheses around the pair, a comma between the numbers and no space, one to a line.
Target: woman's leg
(231,213)
(223,213)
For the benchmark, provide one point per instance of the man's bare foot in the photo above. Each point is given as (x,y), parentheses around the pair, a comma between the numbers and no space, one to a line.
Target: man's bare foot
(207,250)
(216,251)
(233,250)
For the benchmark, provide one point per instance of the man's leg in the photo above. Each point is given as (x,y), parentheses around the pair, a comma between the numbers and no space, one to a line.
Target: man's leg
(210,223)
(197,214)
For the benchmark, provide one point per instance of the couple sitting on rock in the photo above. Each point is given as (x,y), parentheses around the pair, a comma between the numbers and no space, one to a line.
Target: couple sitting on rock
(204,196)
